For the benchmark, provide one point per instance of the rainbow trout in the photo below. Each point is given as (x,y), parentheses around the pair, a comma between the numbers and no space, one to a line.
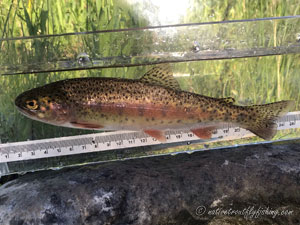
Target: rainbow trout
(153,104)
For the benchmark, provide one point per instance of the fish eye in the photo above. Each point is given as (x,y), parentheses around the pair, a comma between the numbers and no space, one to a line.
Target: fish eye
(32,104)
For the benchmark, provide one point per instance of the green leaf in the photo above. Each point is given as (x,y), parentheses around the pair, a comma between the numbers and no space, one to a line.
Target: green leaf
(30,27)
(44,18)
(98,7)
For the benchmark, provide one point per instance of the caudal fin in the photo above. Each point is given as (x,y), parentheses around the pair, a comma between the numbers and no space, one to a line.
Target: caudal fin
(262,119)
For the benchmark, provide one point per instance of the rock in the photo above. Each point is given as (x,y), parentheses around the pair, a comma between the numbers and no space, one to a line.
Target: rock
(244,185)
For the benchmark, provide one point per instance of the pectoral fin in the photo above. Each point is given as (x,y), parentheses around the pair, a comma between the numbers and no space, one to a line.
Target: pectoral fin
(84,125)
(204,133)
(157,134)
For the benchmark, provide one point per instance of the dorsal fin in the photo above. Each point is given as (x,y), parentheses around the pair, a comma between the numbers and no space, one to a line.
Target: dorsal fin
(228,100)
(161,75)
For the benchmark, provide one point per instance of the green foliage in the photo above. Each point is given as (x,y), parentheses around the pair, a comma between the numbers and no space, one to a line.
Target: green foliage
(214,10)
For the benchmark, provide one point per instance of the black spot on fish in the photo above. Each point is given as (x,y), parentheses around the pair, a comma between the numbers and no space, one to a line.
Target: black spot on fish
(120,111)
(241,117)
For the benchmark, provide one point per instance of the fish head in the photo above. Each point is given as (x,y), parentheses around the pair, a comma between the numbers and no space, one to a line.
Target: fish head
(46,104)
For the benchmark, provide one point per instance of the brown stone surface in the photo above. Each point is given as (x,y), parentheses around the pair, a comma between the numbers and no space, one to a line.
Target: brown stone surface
(164,190)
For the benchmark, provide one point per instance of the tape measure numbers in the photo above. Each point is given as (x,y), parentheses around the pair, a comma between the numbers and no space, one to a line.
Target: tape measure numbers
(55,147)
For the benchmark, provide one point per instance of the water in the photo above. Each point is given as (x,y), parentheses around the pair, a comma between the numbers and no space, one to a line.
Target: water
(242,74)
(248,80)
(150,45)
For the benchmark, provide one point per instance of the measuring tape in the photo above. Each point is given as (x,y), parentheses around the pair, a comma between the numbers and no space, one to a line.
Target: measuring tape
(56,147)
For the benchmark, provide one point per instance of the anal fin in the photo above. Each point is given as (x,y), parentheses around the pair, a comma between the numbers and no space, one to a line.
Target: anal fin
(157,134)
(203,133)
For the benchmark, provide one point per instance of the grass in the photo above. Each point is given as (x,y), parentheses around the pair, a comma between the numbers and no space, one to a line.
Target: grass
(249,81)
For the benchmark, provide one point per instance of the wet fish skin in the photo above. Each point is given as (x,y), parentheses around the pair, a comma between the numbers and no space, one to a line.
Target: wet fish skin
(153,104)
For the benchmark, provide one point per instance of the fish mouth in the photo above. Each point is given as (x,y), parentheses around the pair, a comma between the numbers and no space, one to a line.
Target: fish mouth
(25,111)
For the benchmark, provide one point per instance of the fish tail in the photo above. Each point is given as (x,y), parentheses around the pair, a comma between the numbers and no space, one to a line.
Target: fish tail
(261,119)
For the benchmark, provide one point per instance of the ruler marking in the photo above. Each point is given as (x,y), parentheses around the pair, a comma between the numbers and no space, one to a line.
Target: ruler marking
(46,148)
